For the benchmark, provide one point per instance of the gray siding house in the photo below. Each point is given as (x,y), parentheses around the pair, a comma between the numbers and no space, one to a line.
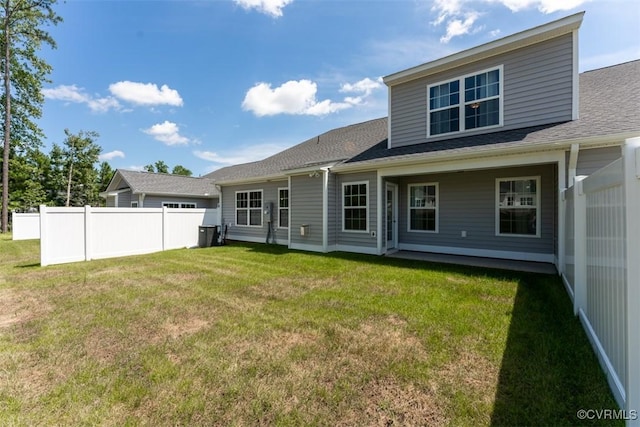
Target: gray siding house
(140,189)
(471,160)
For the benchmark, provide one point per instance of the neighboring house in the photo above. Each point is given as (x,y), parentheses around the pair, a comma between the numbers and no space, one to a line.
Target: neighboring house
(472,159)
(138,189)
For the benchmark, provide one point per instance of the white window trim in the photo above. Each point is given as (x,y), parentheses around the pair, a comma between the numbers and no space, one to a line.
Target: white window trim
(134,203)
(180,204)
(288,207)
(195,205)
(164,204)
(248,208)
(344,184)
(462,103)
(538,206)
(437,207)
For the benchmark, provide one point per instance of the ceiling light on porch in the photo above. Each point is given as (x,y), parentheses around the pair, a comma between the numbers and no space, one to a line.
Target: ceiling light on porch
(475,105)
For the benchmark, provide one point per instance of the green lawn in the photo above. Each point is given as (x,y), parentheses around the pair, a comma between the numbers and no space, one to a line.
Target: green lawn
(251,334)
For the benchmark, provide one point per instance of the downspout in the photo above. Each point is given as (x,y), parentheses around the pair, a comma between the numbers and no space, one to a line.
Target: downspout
(141,199)
(573,164)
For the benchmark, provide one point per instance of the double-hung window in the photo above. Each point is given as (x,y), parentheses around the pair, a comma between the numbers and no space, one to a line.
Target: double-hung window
(518,206)
(423,207)
(249,208)
(355,206)
(466,103)
(283,207)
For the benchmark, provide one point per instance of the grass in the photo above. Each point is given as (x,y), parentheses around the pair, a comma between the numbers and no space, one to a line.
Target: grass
(251,334)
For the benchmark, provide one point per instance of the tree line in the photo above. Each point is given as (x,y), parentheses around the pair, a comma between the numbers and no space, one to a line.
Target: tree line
(69,175)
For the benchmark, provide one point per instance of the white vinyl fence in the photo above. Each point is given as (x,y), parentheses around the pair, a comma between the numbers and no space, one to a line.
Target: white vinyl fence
(82,234)
(25,226)
(602,269)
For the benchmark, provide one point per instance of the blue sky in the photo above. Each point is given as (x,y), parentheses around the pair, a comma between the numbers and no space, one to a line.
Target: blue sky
(206,84)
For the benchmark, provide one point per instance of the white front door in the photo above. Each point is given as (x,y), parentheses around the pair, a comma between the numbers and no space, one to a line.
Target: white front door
(391,201)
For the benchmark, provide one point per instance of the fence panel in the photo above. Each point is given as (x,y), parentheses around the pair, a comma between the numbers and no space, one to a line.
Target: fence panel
(606,284)
(78,234)
(182,226)
(124,231)
(25,226)
(62,233)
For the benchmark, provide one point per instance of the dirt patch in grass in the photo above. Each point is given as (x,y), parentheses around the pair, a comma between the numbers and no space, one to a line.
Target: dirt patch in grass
(20,306)
(183,327)
(389,403)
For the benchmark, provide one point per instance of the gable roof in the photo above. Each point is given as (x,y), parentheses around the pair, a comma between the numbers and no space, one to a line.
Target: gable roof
(162,183)
(331,147)
(608,105)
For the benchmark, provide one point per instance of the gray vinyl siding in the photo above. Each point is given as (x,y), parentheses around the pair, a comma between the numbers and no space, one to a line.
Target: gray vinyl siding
(124,199)
(589,161)
(467,202)
(256,234)
(538,89)
(110,202)
(357,238)
(157,201)
(305,200)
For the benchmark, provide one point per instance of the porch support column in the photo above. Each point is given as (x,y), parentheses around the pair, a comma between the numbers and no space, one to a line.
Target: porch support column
(325,210)
(382,194)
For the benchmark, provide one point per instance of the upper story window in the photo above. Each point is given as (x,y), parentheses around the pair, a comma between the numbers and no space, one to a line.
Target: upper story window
(469,102)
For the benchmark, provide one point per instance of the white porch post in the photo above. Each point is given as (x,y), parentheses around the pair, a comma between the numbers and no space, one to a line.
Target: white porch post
(579,247)
(631,156)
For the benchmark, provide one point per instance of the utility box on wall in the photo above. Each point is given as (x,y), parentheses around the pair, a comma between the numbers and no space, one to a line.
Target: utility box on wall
(304,230)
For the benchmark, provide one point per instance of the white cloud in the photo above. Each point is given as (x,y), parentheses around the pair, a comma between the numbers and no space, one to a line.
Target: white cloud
(75,94)
(460,16)
(268,7)
(458,27)
(544,6)
(299,97)
(111,155)
(241,155)
(167,132)
(364,86)
(145,93)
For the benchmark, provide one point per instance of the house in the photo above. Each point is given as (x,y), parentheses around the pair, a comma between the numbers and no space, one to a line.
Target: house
(137,189)
(472,158)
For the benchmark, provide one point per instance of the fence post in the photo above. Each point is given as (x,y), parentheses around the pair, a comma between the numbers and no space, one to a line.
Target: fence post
(165,224)
(44,254)
(579,247)
(88,248)
(631,167)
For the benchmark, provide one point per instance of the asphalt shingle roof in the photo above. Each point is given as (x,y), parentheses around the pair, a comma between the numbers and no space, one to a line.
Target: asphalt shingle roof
(335,145)
(162,183)
(609,104)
